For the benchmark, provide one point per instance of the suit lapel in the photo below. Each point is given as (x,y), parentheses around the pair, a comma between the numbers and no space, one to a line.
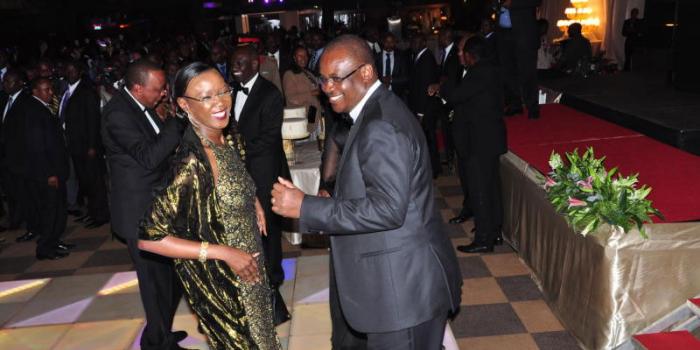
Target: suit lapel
(251,101)
(138,113)
(357,125)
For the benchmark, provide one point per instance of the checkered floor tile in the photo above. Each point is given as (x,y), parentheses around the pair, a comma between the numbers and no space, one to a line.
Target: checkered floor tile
(90,298)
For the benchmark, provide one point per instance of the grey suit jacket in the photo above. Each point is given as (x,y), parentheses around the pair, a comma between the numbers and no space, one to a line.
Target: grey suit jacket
(394,265)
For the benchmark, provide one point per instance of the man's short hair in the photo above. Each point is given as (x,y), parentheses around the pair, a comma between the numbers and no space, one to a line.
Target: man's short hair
(38,81)
(137,72)
(354,45)
(476,46)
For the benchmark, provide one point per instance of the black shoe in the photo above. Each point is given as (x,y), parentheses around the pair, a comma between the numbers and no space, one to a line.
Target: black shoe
(68,245)
(83,218)
(52,256)
(179,336)
(95,224)
(510,111)
(76,213)
(475,248)
(28,236)
(64,247)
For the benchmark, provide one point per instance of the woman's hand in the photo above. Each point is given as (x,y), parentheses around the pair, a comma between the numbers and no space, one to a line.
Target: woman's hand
(243,264)
(260,215)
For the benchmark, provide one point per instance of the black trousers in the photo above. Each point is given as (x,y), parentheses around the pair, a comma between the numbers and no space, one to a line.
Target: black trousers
(160,291)
(485,197)
(91,181)
(17,201)
(429,124)
(48,212)
(425,336)
(445,126)
(517,54)
(630,47)
(462,147)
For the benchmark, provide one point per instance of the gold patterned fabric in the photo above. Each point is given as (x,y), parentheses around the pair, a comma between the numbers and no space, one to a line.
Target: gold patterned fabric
(234,314)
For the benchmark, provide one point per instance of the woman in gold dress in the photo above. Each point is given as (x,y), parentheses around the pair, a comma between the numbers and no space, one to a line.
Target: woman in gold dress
(208,219)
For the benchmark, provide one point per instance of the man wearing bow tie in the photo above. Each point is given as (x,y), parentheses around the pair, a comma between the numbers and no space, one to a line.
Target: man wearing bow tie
(258,110)
(138,146)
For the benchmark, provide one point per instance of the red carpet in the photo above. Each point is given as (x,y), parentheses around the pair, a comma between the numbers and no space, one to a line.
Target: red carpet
(673,174)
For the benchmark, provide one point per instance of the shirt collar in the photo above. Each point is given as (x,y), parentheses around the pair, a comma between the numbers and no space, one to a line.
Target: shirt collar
(42,102)
(448,48)
(250,82)
(71,87)
(135,100)
(355,112)
(15,95)
(488,35)
(420,53)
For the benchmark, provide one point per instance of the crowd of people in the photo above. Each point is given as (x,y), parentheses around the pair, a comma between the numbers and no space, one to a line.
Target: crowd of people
(177,143)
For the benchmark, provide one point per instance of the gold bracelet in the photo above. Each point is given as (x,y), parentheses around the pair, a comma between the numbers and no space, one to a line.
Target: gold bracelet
(203,251)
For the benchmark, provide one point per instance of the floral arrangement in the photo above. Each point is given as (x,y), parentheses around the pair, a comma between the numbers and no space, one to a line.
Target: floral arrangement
(589,195)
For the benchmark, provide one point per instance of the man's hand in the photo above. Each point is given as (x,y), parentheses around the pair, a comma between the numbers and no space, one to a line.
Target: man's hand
(53,181)
(260,215)
(506,3)
(324,193)
(91,153)
(433,89)
(286,199)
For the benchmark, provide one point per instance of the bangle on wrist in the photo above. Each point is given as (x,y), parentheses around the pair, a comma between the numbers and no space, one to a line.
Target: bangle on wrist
(203,251)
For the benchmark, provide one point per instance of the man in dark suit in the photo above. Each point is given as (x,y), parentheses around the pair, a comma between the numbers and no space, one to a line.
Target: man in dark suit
(478,121)
(79,110)
(274,49)
(632,30)
(47,171)
(449,66)
(258,111)
(394,270)
(518,40)
(13,153)
(138,145)
(424,72)
(392,65)
(219,59)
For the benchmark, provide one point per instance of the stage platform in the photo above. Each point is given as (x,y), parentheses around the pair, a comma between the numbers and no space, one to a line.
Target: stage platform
(644,102)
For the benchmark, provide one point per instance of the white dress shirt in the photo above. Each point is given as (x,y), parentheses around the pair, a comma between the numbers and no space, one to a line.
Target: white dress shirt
(420,54)
(355,112)
(241,97)
(10,101)
(66,96)
(2,73)
(447,52)
(148,115)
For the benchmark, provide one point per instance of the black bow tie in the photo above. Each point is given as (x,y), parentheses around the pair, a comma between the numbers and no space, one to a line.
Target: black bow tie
(238,87)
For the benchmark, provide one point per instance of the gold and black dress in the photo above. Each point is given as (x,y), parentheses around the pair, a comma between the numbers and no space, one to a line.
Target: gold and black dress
(234,314)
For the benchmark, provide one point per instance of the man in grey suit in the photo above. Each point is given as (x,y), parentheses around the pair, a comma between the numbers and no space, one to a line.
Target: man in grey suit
(394,271)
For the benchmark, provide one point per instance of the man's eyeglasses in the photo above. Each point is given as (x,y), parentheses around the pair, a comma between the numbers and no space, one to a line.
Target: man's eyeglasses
(337,80)
(209,99)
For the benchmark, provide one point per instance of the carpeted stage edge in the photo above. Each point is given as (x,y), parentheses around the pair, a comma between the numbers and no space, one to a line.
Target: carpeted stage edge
(673,174)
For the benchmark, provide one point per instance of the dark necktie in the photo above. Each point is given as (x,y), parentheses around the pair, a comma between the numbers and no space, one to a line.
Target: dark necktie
(387,65)
(346,118)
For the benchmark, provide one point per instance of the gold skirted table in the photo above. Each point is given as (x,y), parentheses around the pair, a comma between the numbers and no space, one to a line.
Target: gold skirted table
(607,286)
